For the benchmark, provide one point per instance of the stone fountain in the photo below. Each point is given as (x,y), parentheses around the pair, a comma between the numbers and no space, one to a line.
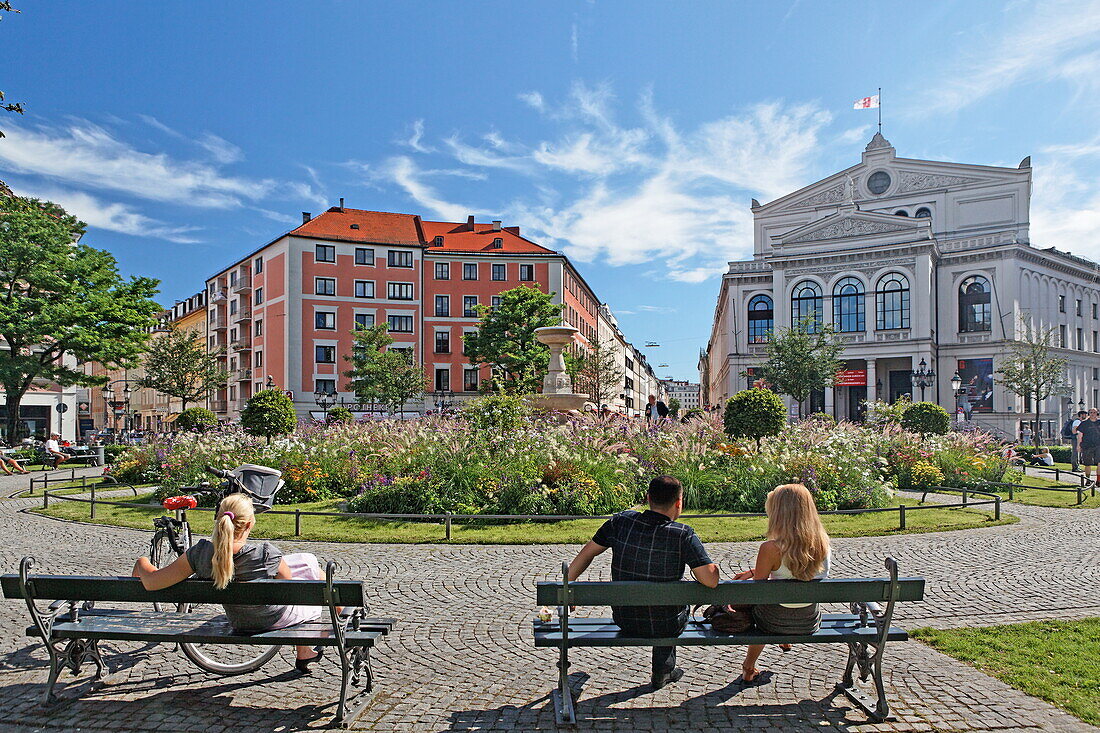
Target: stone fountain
(557,391)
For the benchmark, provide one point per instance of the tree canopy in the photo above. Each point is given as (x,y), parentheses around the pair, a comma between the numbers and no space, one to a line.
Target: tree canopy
(802,359)
(1030,370)
(269,412)
(178,365)
(62,300)
(596,371)
(505,338)
(381,374)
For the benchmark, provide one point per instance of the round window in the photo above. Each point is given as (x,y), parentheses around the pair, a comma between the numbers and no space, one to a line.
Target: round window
(878,182)
(923,213)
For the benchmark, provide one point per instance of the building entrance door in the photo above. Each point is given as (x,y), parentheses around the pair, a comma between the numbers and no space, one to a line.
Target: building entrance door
(900,384)
(856,409)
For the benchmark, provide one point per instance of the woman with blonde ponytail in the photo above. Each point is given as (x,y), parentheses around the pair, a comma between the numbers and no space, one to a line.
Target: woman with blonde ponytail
(229,557)
(797,548)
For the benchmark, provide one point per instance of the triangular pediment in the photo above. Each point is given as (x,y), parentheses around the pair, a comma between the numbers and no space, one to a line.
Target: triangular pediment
(850,223)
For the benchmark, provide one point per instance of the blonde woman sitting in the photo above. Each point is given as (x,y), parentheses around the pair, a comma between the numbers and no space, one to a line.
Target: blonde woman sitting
(229,556)
(797,548)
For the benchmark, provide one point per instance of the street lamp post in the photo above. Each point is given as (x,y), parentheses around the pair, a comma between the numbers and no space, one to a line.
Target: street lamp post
(956,388)
(270,383)
(922,378)
(325,400)
(119,406)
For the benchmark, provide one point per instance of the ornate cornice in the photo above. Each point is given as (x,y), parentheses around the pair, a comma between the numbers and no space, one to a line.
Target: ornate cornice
(922,181)
(849,227)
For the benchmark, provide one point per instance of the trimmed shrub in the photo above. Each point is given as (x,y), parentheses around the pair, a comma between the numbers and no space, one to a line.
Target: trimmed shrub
(340,414)
(497,413)
(268,413)
(822,417)
(754,413)
(196,418)
(926,418)
(924,475)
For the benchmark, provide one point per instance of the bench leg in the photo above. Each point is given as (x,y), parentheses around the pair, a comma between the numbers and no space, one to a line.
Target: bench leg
(355,669)
(564,712)
(870,665)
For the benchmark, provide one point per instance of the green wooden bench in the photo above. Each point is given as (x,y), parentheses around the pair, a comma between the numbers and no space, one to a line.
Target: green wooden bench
(865,630)
(72,627)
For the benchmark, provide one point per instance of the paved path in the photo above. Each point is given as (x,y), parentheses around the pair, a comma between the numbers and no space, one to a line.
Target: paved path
(462,657)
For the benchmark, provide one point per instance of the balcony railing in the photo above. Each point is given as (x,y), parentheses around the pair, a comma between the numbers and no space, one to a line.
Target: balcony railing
(244,314)
(244,375)
(219,405)
(242,285)
(242,343)
(218,323)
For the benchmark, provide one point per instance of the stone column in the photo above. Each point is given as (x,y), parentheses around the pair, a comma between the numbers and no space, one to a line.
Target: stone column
(872,391)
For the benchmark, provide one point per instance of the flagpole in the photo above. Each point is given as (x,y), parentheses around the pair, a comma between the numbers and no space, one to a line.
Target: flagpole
(880,110)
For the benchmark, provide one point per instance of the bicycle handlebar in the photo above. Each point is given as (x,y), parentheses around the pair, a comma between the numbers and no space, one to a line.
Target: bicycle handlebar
(217,472)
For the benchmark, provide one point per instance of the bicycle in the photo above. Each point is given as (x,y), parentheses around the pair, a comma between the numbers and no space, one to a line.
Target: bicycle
(172,538)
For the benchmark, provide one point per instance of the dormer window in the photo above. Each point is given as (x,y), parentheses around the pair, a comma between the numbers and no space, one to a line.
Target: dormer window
(438,242)
(498,243)
(354,226)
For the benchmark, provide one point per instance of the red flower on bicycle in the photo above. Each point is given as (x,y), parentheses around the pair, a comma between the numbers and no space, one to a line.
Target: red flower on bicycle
(179,502)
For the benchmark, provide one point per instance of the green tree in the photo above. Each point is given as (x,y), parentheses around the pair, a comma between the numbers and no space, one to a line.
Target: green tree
(1031,371)
(926,418)
(5,7)
(381,374)
(505,338)
(595,371)
(178,365)
(673,407)
(269,412)
(802,359)
(196,418)
(60,300)
(754,413)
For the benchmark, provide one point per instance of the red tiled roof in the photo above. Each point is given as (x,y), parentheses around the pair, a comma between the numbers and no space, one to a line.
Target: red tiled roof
(460,238)
(373,226)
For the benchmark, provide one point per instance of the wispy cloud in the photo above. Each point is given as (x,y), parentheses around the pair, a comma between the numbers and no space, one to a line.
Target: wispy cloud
(416,135)
(404,171)
(1055,39)
(575,43)
(113,217)
(1065,208)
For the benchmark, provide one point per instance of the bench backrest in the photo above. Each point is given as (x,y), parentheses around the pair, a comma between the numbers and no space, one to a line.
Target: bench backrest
(130,590)
(688,593)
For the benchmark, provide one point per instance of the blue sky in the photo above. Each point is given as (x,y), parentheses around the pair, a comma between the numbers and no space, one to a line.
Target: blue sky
(631,135)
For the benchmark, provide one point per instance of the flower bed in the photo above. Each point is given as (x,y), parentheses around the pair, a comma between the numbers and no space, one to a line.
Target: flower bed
(468,466)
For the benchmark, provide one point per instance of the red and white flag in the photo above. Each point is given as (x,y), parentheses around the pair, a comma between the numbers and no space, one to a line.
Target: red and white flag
(870,102)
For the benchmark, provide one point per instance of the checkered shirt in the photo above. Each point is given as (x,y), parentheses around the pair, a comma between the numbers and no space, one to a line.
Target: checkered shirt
(650,546)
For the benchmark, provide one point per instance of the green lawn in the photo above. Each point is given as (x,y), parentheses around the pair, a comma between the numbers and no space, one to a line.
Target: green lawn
(1067,499)
(1058,661)
(353,529)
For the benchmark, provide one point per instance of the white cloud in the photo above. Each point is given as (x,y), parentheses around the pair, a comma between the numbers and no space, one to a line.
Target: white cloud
(1065,207)
(114,217)
(87,155)
(220,149)
(415,138)
(482,158)
(533,100)
(403,171)
(575,43)
(1052,41)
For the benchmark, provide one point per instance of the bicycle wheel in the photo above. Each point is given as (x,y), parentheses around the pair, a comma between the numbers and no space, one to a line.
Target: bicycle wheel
(162,554)
(228,659)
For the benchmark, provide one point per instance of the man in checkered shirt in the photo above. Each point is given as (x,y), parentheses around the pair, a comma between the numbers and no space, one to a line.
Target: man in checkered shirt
(652,546)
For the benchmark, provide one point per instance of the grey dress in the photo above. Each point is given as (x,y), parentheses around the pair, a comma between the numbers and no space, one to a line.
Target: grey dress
(251,562)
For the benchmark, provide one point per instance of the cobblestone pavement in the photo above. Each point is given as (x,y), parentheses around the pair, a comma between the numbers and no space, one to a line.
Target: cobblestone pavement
(462,658)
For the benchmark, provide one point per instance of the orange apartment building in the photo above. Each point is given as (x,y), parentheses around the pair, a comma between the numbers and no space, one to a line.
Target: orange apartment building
(286,311)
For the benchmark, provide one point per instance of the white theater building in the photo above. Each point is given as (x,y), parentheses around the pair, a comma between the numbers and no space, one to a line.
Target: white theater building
(913,261)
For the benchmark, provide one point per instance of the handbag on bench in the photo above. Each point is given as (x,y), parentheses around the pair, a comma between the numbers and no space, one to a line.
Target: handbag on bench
(727,618)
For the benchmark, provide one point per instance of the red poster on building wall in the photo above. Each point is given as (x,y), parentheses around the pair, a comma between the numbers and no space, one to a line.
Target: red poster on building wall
(851,378)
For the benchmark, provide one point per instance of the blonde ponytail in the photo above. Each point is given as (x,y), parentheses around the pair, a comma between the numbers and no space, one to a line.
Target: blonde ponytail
(233,517)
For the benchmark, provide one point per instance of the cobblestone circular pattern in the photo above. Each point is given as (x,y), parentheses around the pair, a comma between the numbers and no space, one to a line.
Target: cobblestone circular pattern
(462,659)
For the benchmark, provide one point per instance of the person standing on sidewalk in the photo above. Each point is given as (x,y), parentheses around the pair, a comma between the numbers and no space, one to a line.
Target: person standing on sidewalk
(1069,432)
(1088,441)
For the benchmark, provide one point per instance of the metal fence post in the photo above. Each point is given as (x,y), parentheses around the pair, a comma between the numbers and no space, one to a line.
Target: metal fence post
(997,508)
(1011,492)
(901,516)
(964,497)
(1080,494)
(447,524)
(297,522)
(45,499)
(92,515)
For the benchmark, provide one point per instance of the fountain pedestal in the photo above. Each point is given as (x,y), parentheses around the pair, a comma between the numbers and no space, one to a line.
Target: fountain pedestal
(557,391)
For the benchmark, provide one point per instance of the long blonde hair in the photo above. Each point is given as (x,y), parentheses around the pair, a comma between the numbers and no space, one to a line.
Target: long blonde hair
(795,527)
(233,517)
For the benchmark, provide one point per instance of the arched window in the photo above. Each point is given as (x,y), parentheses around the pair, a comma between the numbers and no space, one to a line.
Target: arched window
(923,213)
(806,302)
(849,307)
(901,212)
(974,310)
(760,319)
(892,302)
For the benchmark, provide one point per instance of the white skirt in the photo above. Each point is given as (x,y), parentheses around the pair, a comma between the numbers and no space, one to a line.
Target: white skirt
(303,566)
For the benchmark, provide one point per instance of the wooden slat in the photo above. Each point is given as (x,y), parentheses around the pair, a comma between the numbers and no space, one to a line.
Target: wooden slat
(211,631)
(689,593)
(172,622)
(695,635)
(126,589)
(828,620)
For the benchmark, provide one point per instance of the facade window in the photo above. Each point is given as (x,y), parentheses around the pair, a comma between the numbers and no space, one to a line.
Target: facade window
(469,306)
(325,354)
(1078,306)
(325,320)
(469,271)
(232,334)
(233,306)
(259,358)
(629,364)
(258,327)
(401,324)
(364,320)
(806,303)
(324,253)
(761,320)
(1080,339)
(466,335)
(1062,336)
(500,272)
(324,285)
(974,308)
(1096,341)
(1061,304)
(258,296)
(400,258)
(443,271)
(470,378)
(849,305)
(324,386)
(442,379)
(923,213)
(1094,310)
(258,265)
(878,182)
(232,278)
(892,302)
(495,302)
(628,383)
(442,306)
(364,288)
(399,291)
(442,342)
(364,256)
(527,273)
